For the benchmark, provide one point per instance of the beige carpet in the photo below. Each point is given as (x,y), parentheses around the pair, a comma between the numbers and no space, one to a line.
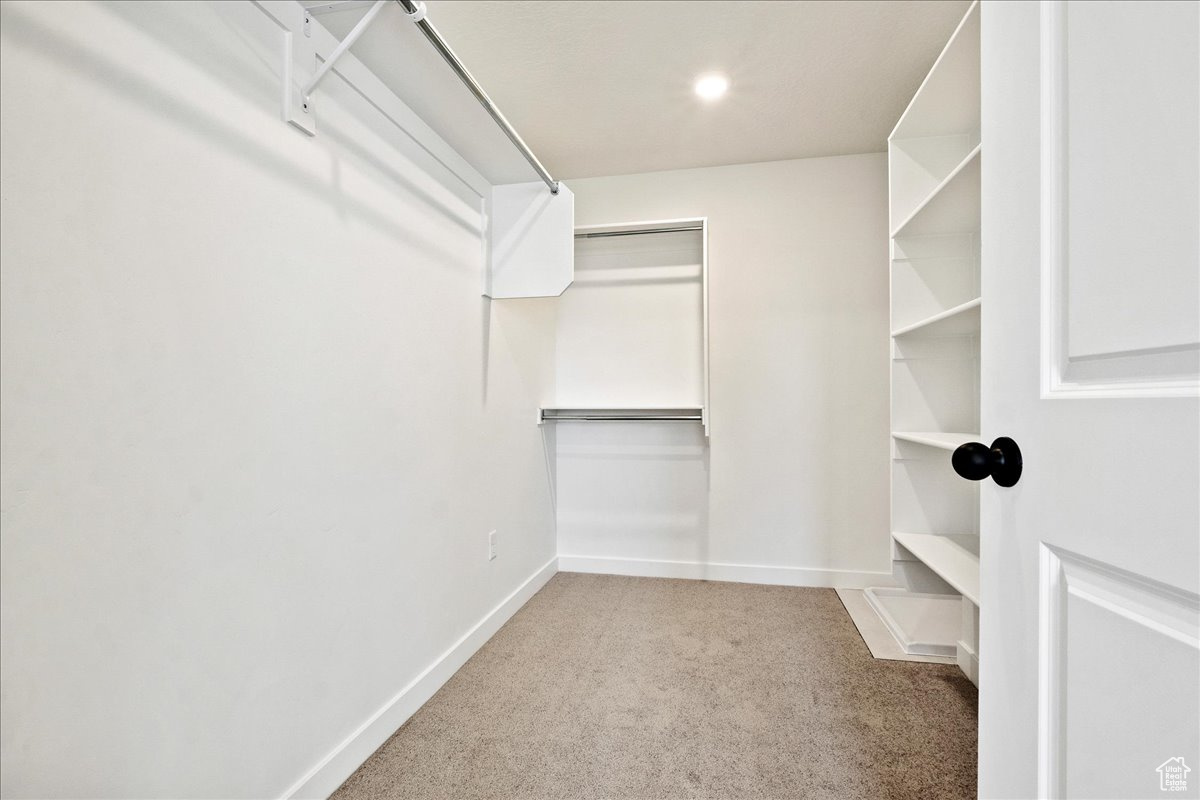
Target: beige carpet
(612,687)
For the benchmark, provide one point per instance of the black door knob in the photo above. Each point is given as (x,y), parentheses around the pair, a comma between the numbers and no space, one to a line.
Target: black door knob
(976,461)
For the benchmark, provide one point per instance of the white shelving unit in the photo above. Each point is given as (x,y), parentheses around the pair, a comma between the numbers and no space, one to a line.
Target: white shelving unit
(934,158)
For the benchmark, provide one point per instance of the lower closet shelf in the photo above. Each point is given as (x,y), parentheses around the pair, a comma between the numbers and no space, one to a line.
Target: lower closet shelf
(954,557)
(922,624)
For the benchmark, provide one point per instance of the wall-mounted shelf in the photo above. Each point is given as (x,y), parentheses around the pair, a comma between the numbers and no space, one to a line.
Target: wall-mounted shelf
(962,320)
(954,557)
(620,415)
(942,441)
(528,249)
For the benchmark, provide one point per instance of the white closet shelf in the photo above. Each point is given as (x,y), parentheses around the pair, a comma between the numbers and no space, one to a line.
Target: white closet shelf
(952,206)
(938,439)
(954,557)
(961,320)
(642,413)
(529,252)
(959,258)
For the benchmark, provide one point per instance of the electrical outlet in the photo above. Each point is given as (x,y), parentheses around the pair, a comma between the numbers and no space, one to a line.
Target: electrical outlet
(492,546)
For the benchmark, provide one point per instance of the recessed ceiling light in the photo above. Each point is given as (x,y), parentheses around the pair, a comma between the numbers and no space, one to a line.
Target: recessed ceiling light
(711,87)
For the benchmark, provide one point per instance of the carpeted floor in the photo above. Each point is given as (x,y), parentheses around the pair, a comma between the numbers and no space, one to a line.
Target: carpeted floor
(642,688)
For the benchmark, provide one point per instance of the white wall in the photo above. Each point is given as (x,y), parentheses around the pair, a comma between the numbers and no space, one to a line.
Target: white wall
(630,326)
(257,419)
(792,487)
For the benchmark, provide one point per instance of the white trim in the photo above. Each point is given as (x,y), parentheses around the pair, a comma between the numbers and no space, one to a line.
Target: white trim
(968,661)
(324,778)
(717,571)
(706,412)
(907,642)
(1052,183)
(880,641)
(1050,593)
(327,775)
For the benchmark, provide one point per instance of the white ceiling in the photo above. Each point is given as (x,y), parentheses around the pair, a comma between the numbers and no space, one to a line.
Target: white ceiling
(597,87)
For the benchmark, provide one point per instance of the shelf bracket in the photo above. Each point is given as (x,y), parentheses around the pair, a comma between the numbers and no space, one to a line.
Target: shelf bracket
(302,74)
(337,5)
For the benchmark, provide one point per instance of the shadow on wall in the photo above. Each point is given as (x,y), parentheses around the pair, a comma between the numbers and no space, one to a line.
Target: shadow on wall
(293,165)
(633,490)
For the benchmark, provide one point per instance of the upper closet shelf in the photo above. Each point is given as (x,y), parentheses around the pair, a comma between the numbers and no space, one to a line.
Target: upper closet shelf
(398,44)
(404,69)
(962,320)
(949,98)
(952,206)
(938,439)
(954,557)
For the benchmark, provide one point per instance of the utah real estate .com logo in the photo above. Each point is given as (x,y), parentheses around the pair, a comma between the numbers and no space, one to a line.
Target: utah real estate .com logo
(1172,775)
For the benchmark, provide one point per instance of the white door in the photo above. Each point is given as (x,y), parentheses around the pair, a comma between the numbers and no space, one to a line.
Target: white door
(1089,668)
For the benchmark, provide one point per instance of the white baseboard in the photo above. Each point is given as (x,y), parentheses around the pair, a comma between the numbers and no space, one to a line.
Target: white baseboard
(875,633)
(736,573)
(323,779)
(968,662)
(922,624)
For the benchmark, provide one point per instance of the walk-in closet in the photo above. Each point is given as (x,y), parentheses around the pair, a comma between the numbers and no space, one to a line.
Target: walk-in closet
(592,400)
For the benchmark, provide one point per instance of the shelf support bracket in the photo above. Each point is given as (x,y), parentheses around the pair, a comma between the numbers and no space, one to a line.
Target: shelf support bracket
(302,58)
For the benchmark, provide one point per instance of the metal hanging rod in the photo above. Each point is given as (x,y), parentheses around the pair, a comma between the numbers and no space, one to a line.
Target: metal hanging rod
(416,11)
(606,234)
(620,414)
(608,418)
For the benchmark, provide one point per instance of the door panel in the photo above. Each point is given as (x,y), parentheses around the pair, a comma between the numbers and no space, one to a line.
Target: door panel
(1090,357)
(1135,60)
(1120,114)
(1100,625)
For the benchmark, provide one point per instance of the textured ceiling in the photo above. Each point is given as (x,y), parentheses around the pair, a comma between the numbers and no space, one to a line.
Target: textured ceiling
(598,87)
(605,88)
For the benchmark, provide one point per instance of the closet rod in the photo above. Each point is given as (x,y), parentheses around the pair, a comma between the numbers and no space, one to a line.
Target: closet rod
(606,418)
(416,11)
(604,234)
